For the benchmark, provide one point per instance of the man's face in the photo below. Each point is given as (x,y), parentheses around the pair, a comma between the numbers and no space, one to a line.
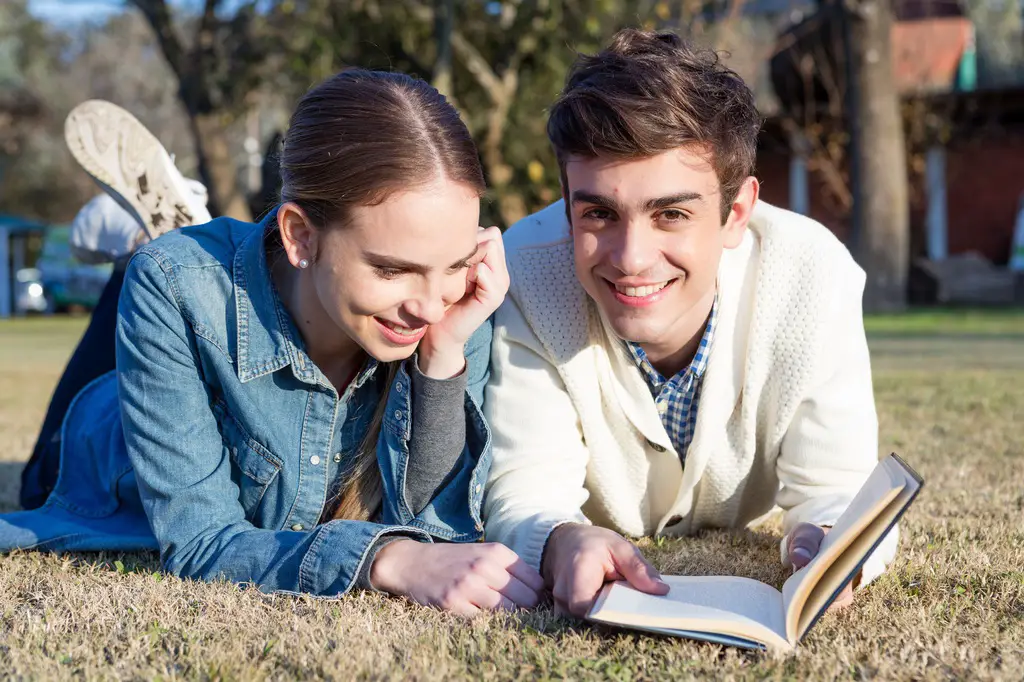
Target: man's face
(648,239)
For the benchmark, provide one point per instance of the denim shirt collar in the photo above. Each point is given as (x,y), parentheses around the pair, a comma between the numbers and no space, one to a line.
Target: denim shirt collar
(267,338)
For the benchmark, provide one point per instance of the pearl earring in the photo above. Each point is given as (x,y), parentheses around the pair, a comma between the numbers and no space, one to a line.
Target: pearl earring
(303,263)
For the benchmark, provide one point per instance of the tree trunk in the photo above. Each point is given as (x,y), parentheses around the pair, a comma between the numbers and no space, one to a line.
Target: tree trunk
(444,19)
(217,169)
(878,157)
(511,206)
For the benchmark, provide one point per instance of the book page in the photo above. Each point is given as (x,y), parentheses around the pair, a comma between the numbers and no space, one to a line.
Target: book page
(847,563)
(885,484)
(732,606)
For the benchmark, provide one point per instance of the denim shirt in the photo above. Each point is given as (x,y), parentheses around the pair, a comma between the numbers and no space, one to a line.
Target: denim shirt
(236,439)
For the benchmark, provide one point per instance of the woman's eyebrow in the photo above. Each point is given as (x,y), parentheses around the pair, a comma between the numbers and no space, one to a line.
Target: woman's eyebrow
(465,261)
(381,260)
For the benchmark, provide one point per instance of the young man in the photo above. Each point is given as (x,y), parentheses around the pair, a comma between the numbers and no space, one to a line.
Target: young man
(673,355)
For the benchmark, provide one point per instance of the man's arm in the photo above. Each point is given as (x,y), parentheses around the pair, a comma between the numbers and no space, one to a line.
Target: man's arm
(536,488)
(536,481)
(831,445)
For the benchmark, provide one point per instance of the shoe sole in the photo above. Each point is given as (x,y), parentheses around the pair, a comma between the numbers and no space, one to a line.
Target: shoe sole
(129,163)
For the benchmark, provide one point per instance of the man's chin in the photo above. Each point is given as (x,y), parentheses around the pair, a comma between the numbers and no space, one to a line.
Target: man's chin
(629,330)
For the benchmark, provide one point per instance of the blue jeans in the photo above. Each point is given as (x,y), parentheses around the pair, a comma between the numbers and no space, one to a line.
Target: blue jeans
(93,357)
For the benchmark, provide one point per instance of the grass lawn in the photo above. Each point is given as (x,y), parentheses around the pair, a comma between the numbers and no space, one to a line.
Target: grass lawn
(950,390)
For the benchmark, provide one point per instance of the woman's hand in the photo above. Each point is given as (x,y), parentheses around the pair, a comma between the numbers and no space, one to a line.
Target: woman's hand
(462,578)
(487,280)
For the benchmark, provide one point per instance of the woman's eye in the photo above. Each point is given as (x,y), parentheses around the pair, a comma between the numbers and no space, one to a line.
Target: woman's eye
(385,272)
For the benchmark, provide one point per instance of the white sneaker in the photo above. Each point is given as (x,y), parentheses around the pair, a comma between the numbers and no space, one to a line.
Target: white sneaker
(133,167)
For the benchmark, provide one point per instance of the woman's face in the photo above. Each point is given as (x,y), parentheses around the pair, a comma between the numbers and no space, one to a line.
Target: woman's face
(397,267)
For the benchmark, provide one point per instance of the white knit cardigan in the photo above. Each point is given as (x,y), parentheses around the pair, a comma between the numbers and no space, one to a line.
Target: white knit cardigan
(786,415)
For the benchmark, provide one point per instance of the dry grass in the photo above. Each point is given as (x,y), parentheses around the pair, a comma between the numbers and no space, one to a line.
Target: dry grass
(951,607)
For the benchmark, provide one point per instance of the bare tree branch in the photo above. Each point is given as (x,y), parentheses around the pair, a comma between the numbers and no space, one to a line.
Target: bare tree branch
(159,17)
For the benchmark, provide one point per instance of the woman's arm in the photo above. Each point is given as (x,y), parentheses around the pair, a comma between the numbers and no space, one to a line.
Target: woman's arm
(184,472)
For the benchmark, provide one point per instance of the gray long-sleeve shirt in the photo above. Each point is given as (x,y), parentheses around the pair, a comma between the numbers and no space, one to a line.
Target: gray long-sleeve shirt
(438,437)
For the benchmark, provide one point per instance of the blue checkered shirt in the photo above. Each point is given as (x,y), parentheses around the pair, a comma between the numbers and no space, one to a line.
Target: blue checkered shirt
(677,398)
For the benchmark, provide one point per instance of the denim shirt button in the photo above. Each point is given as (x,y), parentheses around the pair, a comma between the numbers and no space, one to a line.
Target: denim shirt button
(478,488)
(398,414)
(314,460)
(337,457)
(298,526)
(399,387)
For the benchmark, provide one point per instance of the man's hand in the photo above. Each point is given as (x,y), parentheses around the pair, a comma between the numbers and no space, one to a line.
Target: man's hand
(804,543)
(580,559)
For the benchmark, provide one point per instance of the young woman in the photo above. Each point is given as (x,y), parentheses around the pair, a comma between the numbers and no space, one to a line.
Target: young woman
(300,400)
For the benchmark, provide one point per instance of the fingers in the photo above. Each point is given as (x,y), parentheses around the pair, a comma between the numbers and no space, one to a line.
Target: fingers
(633,567)
(494,584)
(804,542)
(519,593)
(487,279)
(466,609)
(513,577)
(576,589)
(483,278)
(493,257)
(491,600)
(488,234)
(499,579)
(844,599)
(526,574)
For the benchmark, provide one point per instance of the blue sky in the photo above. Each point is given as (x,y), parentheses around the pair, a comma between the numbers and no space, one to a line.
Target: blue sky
(61,10)
(74,11)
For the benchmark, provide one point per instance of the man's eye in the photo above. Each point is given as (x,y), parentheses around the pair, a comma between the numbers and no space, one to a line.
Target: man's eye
(385,272)
(597,214)
(674,215)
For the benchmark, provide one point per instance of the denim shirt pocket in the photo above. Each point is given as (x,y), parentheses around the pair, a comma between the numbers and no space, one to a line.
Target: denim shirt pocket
(253,466)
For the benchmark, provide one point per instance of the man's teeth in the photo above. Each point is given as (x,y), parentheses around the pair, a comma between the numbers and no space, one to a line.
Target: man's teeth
(404,331)
(640,292)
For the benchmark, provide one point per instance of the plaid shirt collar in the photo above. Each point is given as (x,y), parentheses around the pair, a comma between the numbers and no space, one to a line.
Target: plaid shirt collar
(696,367)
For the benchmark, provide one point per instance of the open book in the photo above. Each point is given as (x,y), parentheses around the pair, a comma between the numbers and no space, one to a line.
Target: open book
(746,613)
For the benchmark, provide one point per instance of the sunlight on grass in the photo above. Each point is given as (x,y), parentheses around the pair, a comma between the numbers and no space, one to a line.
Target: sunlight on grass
(950,393)
(949,321)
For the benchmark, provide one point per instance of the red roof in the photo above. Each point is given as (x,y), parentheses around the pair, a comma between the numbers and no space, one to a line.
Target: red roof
(927,52)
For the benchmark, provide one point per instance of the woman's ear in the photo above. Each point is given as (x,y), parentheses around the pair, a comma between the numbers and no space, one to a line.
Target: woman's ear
(298,235)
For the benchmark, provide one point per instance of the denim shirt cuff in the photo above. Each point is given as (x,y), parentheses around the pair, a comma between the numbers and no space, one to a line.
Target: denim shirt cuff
(337,557)
(450,522)
(363,581)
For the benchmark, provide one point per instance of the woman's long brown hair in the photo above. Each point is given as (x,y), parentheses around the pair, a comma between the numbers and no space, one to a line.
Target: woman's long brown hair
(354,140)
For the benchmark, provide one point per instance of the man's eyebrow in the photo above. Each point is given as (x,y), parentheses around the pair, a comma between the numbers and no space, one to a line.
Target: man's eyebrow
(671,200)
(585,197)
(581,196)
